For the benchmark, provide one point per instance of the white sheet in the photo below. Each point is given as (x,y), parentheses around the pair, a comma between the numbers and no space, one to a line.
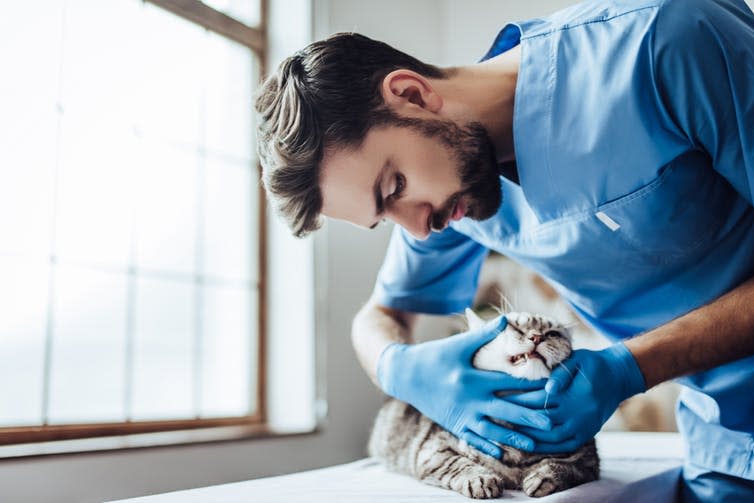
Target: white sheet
(636,467)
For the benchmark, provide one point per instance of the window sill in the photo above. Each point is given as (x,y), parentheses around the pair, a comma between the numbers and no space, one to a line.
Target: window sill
(146,440)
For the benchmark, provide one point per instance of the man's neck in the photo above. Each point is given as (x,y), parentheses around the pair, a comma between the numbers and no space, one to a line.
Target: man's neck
(485,93)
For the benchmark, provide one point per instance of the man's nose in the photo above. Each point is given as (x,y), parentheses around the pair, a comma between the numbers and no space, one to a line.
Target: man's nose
(412,218)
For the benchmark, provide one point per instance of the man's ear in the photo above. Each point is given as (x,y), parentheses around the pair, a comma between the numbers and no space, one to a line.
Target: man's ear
(405,89)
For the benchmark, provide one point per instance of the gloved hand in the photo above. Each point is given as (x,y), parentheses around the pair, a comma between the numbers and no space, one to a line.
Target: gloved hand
(437,378)
(582,394)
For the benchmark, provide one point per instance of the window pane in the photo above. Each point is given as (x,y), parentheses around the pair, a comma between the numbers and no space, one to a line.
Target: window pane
(166,208)
(230,202)
(94,220)
(89,341)
(30,62)
(97,146)
(23,324)
(26,189)
(163,350)
(246,11)
(130,65)
(230,74)
(228,351)
(98,69)
(169,91)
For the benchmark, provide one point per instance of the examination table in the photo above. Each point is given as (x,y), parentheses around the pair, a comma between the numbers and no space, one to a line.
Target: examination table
(636,467)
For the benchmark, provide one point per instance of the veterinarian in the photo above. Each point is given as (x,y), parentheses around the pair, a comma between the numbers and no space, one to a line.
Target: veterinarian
(608,147)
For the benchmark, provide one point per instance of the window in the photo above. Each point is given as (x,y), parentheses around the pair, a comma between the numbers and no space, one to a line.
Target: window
(131,237)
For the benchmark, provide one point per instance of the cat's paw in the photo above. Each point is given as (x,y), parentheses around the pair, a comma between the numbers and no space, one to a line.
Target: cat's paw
(480,485)
(537,484)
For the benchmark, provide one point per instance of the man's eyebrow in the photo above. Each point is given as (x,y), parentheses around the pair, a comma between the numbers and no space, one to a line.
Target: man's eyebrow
(377,191)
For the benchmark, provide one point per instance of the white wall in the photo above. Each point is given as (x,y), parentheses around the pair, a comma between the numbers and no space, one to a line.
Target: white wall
(470,27)
(440,31)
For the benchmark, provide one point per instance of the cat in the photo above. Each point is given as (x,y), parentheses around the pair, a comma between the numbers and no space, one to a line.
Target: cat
(407,442)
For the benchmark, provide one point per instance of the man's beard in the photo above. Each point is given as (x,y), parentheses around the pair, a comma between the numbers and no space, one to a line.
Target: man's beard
(477,170)
(480,181)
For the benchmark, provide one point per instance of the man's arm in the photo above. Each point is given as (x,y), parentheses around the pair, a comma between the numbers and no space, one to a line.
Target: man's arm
(374,328)
(714,334)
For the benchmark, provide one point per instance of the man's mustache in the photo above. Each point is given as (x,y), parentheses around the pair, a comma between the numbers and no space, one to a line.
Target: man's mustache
(439,219)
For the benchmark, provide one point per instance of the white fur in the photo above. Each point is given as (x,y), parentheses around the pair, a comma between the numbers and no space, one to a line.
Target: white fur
(496,355)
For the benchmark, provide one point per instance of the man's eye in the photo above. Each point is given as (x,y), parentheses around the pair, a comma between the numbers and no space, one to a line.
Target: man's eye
(400,185)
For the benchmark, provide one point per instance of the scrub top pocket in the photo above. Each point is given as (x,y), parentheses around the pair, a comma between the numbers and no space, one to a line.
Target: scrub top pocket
(672,217)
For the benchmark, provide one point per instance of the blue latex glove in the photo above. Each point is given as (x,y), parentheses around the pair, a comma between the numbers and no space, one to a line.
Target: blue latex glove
(437,378)
(581,395)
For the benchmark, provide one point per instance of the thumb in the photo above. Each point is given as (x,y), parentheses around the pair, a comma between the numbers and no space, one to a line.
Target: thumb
(561,377)
(478,338)
(496,325)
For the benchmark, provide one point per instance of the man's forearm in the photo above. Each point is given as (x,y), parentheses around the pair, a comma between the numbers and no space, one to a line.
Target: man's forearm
(714,334)
(373,329)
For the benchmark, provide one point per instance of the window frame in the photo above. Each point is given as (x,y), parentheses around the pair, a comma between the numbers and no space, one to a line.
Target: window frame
(23,441)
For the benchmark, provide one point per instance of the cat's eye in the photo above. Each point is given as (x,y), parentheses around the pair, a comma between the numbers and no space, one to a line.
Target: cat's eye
(553,333)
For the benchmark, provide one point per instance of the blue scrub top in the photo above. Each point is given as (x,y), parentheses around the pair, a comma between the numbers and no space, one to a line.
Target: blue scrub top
(634,138)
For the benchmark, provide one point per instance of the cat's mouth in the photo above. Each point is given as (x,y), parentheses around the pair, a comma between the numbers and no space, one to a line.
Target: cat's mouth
(524,358)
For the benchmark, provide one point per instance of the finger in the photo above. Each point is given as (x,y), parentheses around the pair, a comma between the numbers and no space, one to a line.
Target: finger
(503,410)
(558,434)
(569,445)
(481,444)
(497,324)
(472,341)
(538,399)
(502,435)
(500,381)
(510,383)
(561,377)
(558,414)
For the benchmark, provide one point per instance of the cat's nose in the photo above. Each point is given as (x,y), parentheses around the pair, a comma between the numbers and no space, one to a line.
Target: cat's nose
(536,339)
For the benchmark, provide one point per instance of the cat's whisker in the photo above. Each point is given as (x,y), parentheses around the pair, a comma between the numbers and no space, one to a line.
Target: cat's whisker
(508,307)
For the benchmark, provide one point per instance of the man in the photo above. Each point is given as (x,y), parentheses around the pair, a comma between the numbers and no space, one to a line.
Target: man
(609,147)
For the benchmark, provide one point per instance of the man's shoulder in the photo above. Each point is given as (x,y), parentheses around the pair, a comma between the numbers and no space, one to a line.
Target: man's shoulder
(690,27)
(689,17)
(586,14)
(689,31)
(597,11)
(680,11)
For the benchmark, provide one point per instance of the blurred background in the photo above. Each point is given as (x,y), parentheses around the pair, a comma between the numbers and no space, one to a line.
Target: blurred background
(159,328)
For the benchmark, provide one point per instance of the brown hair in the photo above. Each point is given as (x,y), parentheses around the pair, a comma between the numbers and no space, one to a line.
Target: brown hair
(324,96)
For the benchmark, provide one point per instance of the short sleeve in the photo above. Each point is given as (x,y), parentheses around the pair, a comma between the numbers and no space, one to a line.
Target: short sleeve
(704,63)
(436,276)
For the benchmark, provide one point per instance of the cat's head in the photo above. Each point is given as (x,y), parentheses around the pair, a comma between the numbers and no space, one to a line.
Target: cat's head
(530,346)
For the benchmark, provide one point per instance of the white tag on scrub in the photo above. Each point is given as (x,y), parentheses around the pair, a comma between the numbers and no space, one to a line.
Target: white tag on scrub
(609,222)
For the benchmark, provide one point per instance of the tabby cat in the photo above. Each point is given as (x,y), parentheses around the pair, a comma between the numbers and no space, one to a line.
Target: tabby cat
(407,442)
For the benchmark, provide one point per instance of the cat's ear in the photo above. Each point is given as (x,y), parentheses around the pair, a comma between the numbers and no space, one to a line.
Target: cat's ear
(474,321)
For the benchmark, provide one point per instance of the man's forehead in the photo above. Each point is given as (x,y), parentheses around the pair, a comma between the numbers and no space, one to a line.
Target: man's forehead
(347,178)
